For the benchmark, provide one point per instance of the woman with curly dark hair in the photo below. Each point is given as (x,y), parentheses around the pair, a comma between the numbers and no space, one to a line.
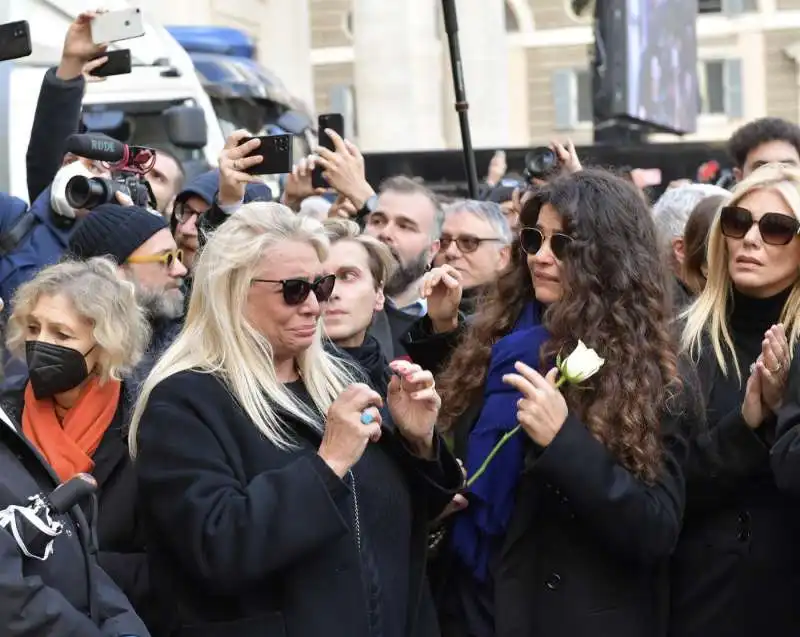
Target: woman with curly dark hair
(570,528)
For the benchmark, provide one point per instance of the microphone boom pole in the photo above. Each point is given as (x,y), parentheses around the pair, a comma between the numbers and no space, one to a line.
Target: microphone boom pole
(462,106)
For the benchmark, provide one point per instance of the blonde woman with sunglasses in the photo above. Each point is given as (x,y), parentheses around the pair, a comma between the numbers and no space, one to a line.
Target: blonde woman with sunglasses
(281,495)
(737,564)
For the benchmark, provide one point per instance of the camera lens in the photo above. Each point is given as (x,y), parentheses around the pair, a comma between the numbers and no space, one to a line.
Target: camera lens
(88,193)
(541,163)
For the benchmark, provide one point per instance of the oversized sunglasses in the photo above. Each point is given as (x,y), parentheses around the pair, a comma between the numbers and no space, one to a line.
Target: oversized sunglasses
(465,243)
(532,239)
(775,228)
(167,258)
(295,291)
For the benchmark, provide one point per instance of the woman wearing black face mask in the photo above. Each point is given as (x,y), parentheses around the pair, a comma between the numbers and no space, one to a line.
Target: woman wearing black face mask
(80,329)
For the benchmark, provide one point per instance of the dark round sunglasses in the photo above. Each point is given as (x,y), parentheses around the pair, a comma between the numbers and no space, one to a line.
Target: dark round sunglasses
(295,291)
(776,229)
(531,241)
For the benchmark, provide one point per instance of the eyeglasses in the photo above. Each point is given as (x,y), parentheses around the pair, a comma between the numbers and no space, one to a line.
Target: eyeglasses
(465,243)
(775,228)
(167,258)
(182,212)
(295,291)
(531,241)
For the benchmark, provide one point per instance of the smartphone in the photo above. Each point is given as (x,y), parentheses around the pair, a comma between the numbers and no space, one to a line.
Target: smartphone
(114,26)
(276,151)
(334,121)
(15,40)
(119,63)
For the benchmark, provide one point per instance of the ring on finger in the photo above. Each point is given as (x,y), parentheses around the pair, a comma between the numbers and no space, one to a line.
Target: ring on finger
(777,369)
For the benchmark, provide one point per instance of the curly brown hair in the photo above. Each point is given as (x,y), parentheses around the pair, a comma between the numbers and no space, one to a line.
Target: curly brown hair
(616,299)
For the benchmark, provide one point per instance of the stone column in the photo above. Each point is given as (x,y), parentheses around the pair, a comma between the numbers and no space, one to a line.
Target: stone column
(397,75)
(485,58)
(284,46)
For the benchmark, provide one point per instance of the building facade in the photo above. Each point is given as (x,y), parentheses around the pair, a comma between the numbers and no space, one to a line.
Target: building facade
(526,65)
(748,67)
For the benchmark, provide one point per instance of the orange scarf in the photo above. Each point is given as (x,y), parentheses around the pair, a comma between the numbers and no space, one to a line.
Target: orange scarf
(69,445)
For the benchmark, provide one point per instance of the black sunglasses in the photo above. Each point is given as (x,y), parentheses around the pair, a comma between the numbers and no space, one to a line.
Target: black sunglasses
(295,291)
(466,243)
(182,211)
(531,241)
(776,229)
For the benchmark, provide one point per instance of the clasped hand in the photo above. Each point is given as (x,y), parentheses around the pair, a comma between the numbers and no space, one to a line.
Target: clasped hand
(767,382)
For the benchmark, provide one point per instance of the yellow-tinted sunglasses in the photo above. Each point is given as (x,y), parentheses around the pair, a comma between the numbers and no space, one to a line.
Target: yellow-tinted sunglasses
(167,258)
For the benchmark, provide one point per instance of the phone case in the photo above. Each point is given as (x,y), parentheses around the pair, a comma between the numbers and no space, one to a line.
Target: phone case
(277,153)
(335,122)
(15,40)
(119,63)
(117,25)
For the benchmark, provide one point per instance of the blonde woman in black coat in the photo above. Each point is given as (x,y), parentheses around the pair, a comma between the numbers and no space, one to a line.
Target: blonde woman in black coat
(737,566)
(283,497)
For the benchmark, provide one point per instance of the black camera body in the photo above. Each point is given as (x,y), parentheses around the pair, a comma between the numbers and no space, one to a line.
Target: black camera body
(541,163)
(128,165)
(89,192)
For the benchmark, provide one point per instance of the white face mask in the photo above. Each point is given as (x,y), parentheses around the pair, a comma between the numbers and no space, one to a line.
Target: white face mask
(58,190)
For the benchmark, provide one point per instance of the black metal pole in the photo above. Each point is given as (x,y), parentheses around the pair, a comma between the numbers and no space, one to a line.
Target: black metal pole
(462,106)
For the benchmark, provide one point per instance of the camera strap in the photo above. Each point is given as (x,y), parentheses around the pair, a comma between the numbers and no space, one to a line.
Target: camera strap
(10,518)
(22,226)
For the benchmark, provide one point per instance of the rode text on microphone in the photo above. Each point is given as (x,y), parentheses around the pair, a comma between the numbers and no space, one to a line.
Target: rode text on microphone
(128,166)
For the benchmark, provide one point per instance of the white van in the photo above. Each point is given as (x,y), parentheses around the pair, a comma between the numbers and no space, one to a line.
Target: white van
(162,76)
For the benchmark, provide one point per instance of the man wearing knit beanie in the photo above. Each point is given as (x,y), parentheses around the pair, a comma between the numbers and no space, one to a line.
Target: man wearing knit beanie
(141,243)
(143,246)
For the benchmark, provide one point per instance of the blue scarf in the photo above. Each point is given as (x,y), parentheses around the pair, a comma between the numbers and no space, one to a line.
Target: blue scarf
(491,498)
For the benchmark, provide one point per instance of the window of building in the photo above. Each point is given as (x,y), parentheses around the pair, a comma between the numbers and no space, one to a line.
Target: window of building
(512,20)
(572,98)
(347,24)
(720,87)
(342,99)
(730,7)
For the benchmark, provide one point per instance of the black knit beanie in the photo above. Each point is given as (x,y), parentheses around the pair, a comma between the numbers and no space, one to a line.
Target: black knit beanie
(115,231)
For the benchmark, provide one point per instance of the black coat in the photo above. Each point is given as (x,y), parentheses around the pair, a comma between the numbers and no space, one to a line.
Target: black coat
(388,327)
(120,536)
(51,598)
(785,453)
(250,540)
(587,549)
(736,568)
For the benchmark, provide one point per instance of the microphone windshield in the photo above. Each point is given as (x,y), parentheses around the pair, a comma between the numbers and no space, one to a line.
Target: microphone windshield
(96,146)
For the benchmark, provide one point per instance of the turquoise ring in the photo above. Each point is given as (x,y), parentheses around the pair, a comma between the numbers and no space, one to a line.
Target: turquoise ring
(367,418)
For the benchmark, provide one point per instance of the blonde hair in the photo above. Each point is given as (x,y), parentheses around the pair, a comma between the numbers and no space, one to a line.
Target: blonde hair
(708,314)
(99,294)
(218,339)
(381,262)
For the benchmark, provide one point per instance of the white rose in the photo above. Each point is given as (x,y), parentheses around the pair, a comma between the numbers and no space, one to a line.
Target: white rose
(582,364)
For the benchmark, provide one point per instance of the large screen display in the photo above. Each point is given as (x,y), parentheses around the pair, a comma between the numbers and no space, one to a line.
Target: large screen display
(661,78)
